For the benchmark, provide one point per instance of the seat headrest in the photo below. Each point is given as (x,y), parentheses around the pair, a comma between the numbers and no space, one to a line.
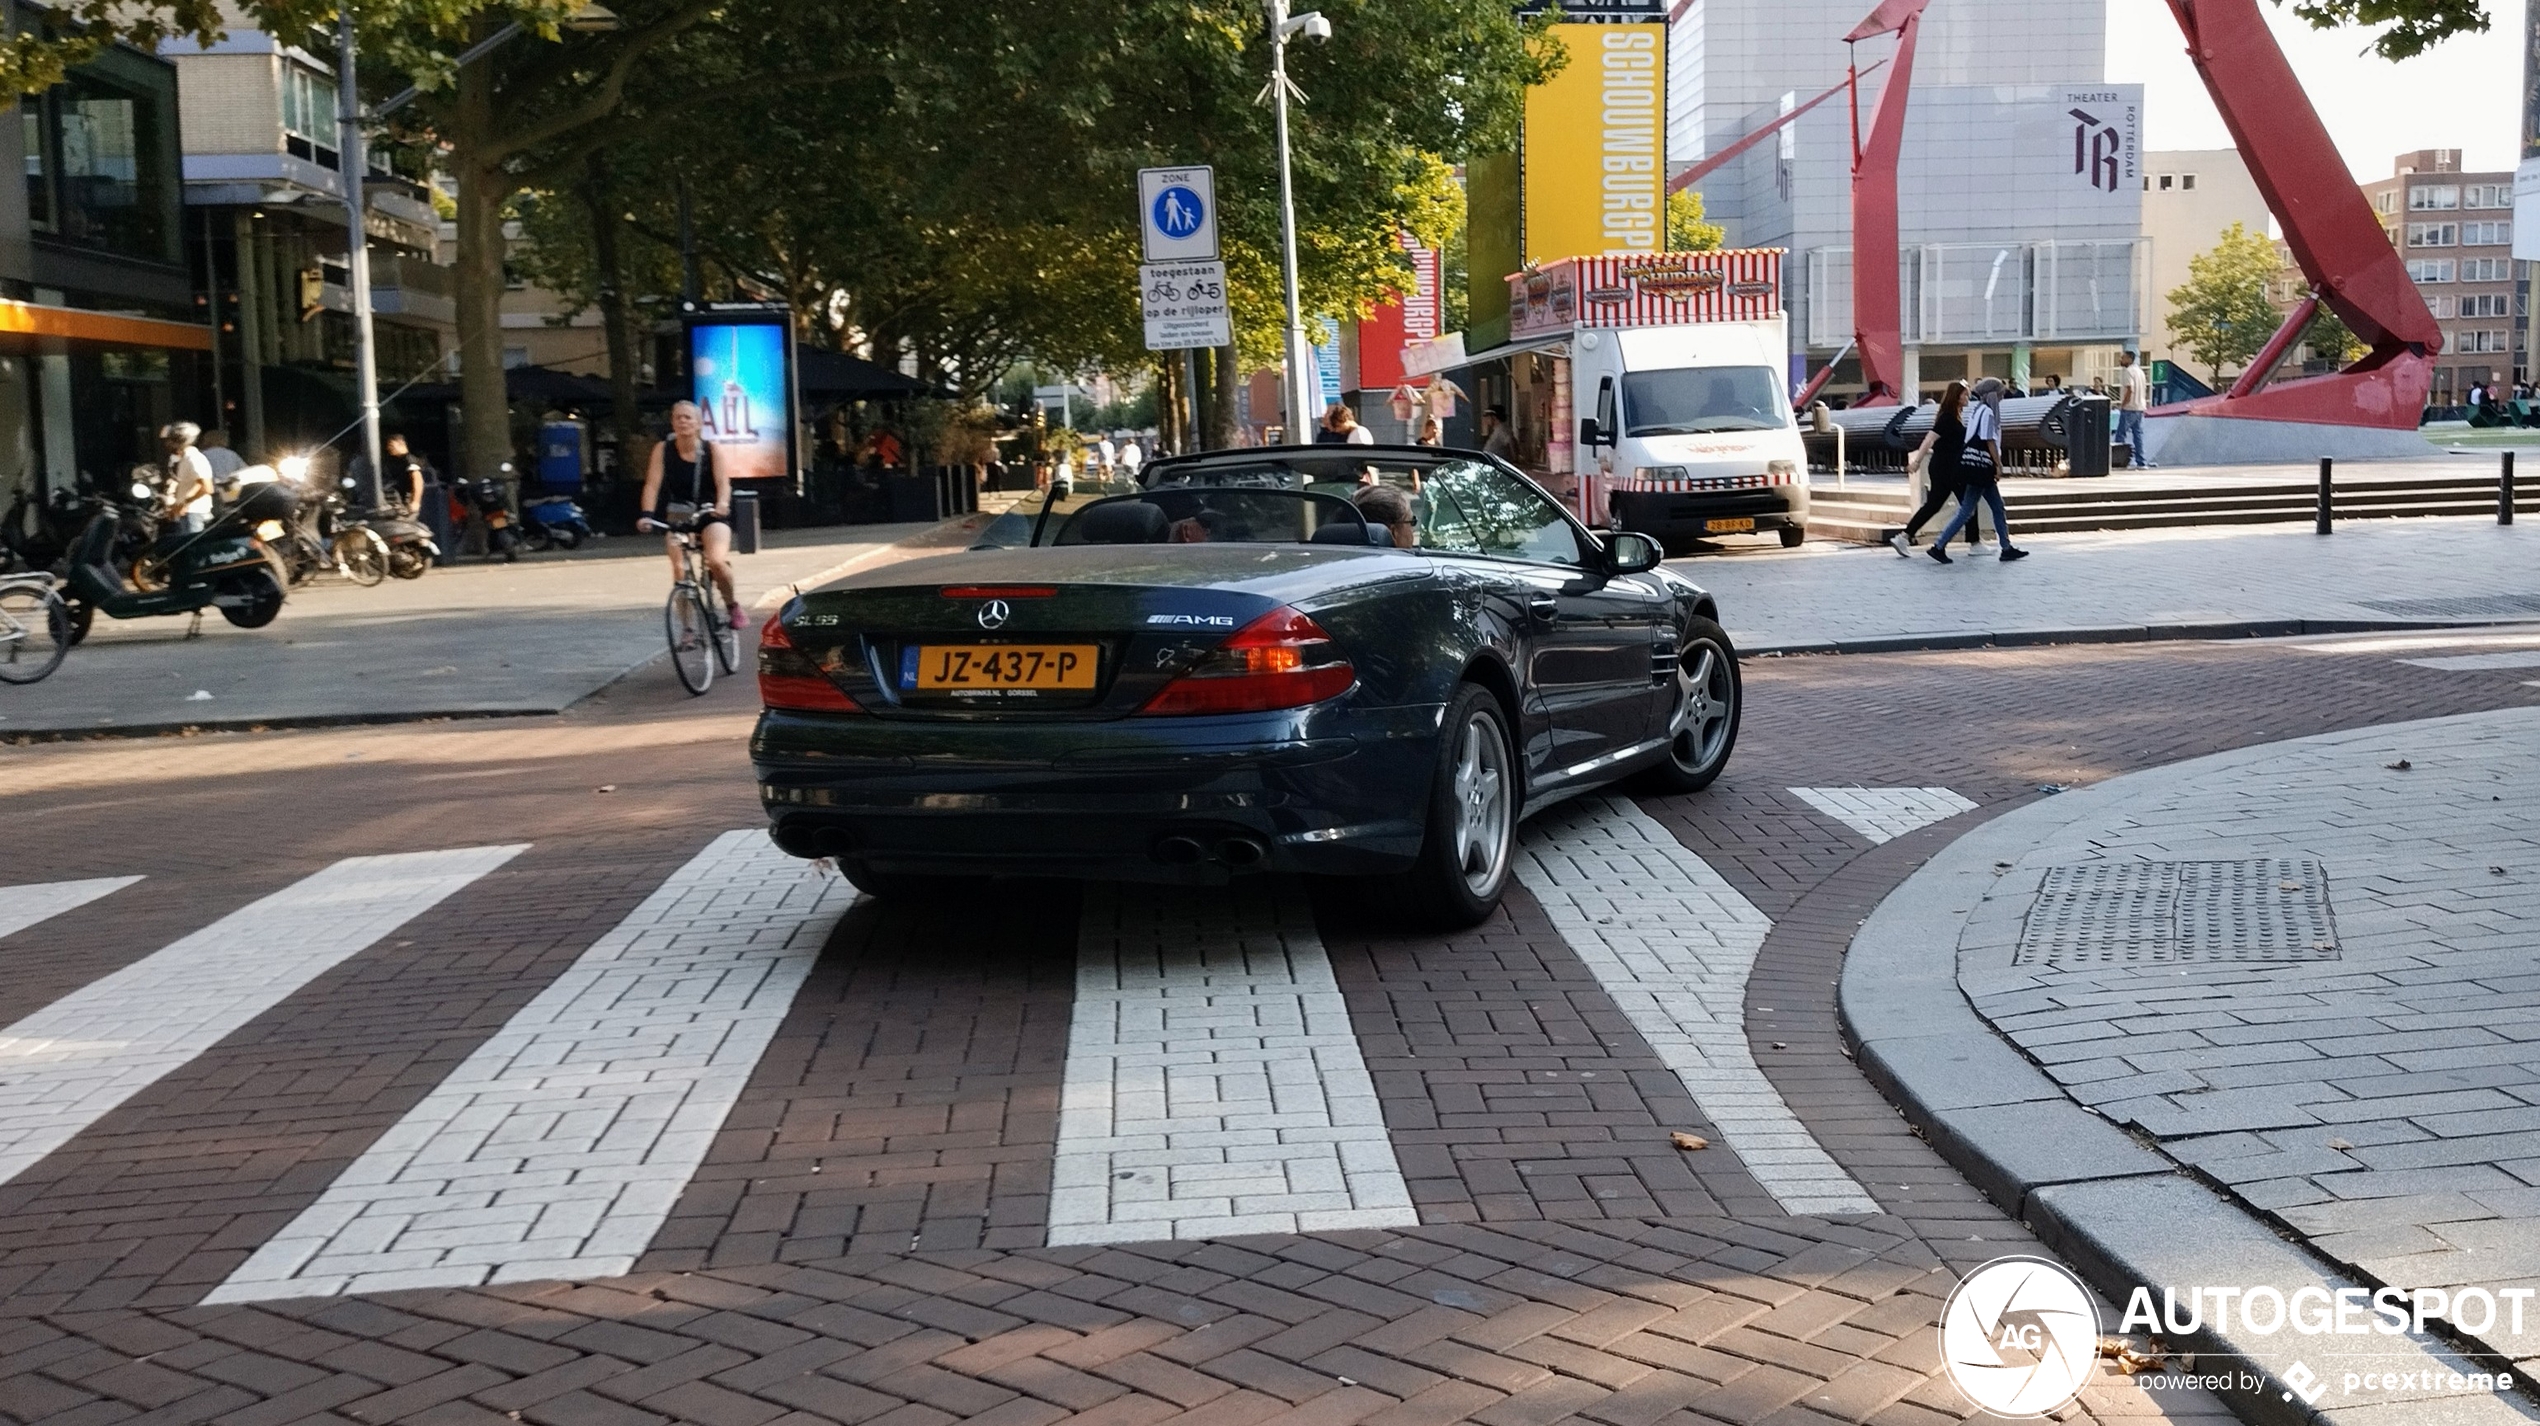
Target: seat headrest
(1343,532)
(1131,522)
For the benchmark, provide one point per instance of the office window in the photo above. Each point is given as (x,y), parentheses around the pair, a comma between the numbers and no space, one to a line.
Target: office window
(2386,201)
(2488,195)
(2430,269)
(101,162)
(2486,269)
(2486,234)
(2434,198)
(2186,182)
(2434,235)
(308,103)
(2166,181)
(2440,306)
(39,179)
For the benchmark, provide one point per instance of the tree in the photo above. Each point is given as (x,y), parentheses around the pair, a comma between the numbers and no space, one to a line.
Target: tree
(1686,232)
(2414,25)
(2329,340)
(2221,313)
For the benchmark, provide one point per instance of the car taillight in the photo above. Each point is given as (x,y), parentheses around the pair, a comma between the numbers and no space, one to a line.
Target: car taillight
(789,680)
(1280,660)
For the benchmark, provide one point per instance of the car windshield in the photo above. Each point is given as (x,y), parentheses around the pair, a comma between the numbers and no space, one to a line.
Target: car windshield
(1458,503)
(1213,516)
(1325,469)
(1690,401)
(1013,529)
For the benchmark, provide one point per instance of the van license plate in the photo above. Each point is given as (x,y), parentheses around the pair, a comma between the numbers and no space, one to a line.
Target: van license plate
(1728,527)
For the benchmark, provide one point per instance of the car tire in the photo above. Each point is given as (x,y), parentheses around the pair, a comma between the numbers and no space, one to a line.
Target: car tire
(906,886)
(1702,719)
(1793,536)
(1469,848)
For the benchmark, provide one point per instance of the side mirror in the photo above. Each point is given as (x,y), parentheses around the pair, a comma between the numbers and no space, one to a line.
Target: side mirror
(1628,553)
(1591,434)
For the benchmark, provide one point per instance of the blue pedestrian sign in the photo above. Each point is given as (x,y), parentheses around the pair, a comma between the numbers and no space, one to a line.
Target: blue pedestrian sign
(1177,214)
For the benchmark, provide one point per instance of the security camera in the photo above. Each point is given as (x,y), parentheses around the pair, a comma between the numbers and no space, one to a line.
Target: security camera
(1310,25)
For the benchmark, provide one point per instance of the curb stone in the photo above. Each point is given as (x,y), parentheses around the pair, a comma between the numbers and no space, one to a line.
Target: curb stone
(2111,634)
(2120,1212)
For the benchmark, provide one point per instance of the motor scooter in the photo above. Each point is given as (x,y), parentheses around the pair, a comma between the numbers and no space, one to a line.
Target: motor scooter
(411,548)
(223,566)
(486,498)
(554,523)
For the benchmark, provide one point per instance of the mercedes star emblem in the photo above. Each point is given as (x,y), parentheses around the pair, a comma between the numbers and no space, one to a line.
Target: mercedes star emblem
(993,614)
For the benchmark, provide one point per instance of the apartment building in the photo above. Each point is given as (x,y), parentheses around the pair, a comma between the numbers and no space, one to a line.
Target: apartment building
(2455,230)
(2190,198)
(265,216)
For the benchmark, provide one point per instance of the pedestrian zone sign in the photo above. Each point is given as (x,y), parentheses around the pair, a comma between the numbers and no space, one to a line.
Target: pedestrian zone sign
(1185,305)
(1177,213)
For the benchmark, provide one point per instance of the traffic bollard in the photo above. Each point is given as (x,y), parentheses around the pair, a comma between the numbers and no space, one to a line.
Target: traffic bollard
(2505,491)
(2324,495)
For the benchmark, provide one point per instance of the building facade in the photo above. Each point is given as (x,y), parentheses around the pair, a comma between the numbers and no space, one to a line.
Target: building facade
(266,219)
(2020,180)
(100,340)
(2190,198)
(2456,231)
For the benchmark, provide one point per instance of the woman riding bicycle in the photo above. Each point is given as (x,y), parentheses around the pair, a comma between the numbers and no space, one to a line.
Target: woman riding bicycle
(680,472)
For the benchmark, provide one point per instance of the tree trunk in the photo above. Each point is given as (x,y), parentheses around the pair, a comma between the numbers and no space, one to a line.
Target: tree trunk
(1224,423)
(624,419)
(485,412)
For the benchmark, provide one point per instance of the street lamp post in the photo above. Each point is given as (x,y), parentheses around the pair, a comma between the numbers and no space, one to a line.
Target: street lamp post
(353,159)
(1283,26)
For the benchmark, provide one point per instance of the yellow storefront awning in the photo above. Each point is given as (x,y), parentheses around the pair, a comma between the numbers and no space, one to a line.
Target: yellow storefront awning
(31,319)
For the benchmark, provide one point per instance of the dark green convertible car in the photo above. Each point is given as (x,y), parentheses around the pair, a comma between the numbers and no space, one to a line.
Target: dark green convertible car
(1328,660)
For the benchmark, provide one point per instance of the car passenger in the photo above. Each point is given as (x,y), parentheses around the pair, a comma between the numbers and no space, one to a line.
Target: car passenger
(1386,505)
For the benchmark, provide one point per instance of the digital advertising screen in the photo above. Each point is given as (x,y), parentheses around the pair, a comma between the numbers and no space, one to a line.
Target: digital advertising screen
(740,379)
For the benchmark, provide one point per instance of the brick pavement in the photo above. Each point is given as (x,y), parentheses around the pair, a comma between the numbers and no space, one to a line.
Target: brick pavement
(1750,1315)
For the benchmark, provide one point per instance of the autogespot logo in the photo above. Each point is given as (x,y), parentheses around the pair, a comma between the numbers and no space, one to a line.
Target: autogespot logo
(2019,1337)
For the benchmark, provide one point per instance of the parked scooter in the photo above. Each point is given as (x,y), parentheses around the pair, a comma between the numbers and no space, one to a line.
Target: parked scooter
(411,548)
(554,523)
(485,498)
(223,567)
(322,536)
(35,536)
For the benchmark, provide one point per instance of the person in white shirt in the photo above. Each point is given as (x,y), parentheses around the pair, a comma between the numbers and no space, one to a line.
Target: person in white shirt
(190,477)
(1106,455)
(2134,393)
(1131,457)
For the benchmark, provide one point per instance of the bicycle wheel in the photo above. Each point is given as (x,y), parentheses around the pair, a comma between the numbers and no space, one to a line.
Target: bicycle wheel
(727,640)
(690,638)
(35,631)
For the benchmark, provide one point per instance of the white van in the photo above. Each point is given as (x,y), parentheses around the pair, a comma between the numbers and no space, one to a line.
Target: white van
(1676,367)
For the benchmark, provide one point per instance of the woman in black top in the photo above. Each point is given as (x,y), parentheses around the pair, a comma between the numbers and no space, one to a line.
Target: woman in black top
(1942,445)
(1980,481)
(682,472)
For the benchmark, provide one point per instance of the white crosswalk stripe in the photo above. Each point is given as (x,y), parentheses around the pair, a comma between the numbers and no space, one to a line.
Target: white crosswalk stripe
(1672,942)
(559,1147)
(24,906)
(1882,814)
(71,1063)
(1213,1084)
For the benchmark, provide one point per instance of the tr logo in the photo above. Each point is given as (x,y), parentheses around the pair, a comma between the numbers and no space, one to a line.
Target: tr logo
(2019,1337)
(994,613)
(2095,146)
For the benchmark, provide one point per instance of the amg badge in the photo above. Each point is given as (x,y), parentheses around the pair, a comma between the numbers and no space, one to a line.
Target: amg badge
(1199,621)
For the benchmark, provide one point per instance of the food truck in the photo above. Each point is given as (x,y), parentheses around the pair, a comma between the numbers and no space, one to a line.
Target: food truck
(1668,409)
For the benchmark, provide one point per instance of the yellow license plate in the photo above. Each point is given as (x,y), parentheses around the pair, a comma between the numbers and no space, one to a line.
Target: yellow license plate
(1728,527)
(1040,667)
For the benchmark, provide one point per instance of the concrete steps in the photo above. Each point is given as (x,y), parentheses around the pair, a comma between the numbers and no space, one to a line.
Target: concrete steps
(1862,513)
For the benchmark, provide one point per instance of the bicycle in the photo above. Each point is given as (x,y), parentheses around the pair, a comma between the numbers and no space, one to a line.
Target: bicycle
(695,618)
(35,628)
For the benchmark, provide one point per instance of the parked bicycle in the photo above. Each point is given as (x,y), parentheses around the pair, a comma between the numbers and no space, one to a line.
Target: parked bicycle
(35,627)
(696,619)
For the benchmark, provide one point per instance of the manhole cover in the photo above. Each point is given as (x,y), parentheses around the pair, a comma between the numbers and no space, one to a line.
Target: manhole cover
(2473,607)
(2108,913)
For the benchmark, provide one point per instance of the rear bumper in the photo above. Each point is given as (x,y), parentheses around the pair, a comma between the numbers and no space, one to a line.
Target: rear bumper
(1324,790)
(1684,514)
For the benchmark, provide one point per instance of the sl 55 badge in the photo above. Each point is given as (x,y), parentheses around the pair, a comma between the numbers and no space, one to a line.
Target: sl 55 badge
(1200,621)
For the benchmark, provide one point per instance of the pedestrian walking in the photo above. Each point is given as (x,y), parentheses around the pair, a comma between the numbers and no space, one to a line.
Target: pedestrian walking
(1980,471)
(2134,396)
(1496,439)
(1432,433)
(1129,457)
(189,477)
(1940,455)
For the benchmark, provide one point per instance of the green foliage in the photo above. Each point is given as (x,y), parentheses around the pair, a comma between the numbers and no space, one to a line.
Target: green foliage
(2329,340)
(2413,25)
(2221,313)
(1686,232)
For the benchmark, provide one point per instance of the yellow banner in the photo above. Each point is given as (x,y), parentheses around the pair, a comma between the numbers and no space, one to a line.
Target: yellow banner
(1596,146)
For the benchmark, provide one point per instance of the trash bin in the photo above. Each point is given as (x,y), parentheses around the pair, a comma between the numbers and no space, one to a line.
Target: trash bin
(915,497)
(2086,428)
(745,522)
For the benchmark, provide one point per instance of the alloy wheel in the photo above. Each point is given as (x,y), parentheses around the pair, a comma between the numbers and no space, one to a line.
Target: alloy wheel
(1481,804)
(1706,707)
